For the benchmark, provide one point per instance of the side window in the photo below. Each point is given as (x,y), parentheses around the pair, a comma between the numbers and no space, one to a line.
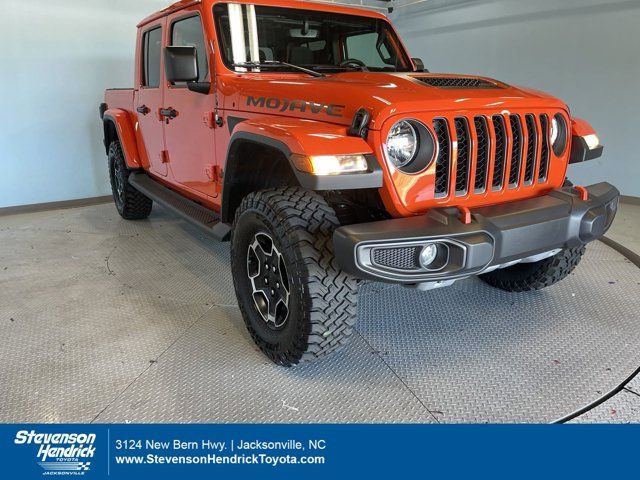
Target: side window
(151,49)
(188,33)
(364,47)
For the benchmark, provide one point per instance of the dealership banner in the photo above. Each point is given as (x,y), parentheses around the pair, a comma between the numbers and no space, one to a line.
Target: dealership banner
(313,451)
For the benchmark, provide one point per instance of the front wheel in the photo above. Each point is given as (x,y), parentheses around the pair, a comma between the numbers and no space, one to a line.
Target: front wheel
(297,305)
(525,277)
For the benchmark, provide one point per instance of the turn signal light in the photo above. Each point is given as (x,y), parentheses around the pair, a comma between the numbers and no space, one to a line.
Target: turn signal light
(331,164)
(592,141)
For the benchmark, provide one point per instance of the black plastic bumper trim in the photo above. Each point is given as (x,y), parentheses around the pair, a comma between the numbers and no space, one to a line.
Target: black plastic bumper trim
(498,234)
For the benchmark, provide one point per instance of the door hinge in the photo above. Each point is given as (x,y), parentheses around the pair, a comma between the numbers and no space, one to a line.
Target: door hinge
(164,156)
(214,173)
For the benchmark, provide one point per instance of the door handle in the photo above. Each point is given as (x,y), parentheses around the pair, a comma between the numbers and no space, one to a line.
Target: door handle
(169,113)
(143,109)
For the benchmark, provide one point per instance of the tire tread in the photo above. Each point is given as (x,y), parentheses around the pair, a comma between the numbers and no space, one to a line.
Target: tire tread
(544,273)
(331,295)
(136,206)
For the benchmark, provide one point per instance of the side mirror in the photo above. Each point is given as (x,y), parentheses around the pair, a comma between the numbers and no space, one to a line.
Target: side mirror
(419,65)
(181,64)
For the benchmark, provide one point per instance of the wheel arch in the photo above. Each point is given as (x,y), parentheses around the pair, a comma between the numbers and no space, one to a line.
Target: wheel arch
(117,126)
(260,154)
(270,167)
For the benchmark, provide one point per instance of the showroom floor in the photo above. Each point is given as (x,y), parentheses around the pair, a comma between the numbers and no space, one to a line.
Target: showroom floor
(105,320)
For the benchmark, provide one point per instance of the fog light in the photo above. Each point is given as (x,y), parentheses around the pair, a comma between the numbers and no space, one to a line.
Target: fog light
(428,255)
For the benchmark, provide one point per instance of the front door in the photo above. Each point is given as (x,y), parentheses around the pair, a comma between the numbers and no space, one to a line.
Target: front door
(149,99)
(190,136)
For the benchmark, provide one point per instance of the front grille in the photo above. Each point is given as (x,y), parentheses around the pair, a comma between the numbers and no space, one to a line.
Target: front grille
(532,150)
(401,258)
(464,156)
(544,156)
(515,147)
(500,156)
(441,130)
(516,151)
(456,82)
(484,151)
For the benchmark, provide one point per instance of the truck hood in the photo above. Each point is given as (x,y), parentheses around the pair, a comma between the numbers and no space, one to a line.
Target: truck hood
(337,97)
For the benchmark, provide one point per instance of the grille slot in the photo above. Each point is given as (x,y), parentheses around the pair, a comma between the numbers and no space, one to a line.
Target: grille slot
(501,152)
(464,156)
(516,151)
(456,82)
(544,155)
(401,258)
(441,129)
(532,148)
(484,146)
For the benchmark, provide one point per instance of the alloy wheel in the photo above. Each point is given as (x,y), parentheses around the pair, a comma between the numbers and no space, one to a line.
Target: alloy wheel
(269,280)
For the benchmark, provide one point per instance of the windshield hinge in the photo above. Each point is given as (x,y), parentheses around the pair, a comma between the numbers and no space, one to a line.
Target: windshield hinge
(360,124)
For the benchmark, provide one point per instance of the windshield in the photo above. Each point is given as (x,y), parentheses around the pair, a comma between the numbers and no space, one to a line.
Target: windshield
(319,41)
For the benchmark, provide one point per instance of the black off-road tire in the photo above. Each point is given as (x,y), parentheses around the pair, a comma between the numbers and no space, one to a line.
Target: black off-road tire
(525,277)
(322,300)
(131,204)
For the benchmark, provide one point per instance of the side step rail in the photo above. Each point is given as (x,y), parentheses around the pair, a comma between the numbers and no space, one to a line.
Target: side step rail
(206,220)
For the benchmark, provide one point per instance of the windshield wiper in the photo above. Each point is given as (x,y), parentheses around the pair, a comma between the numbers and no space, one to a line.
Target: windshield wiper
(342,68)
(277,63)
(332,67)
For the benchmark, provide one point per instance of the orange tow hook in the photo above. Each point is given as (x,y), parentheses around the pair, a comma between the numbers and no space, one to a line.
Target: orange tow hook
(465,215)
(584,193)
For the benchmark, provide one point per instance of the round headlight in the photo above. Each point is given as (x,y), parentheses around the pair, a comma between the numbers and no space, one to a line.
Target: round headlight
(402,144)
(411,146)
(558,134)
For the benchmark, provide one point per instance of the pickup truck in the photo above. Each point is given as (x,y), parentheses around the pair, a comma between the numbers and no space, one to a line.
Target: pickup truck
(306,135)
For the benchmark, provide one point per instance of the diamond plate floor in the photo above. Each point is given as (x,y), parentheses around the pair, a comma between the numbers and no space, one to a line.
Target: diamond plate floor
(112,321)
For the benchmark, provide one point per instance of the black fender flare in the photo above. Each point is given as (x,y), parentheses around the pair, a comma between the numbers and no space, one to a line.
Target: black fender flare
(372,179)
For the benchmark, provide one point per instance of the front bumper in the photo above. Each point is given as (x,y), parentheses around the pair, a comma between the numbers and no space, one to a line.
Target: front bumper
(498,236)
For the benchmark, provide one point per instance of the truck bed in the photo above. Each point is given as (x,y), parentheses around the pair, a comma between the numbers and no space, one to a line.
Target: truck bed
(119,98)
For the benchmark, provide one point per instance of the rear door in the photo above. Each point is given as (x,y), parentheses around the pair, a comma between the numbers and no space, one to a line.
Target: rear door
(150,96)
(190,135)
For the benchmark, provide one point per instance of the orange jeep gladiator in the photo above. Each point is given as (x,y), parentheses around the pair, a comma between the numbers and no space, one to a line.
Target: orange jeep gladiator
(305,135)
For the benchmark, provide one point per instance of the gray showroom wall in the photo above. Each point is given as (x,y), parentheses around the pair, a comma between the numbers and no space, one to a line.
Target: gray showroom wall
(56,58)
(586,52)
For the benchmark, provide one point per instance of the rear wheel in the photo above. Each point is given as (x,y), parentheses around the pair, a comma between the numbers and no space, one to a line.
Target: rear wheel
(297,305)
(525,277)
(131,204)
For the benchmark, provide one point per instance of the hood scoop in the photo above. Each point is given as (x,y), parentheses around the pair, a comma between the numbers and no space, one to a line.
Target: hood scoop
(457,82)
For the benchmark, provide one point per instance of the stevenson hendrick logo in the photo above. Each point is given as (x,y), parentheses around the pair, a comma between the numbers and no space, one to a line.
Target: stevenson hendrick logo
(284,105)
(60,453)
